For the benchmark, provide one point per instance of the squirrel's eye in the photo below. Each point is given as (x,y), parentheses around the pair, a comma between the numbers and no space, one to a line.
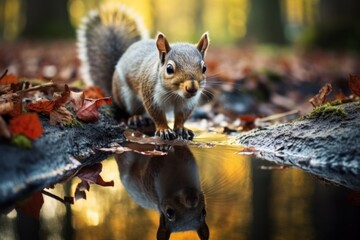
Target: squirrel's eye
(170,213)
(203,67)
(170,69)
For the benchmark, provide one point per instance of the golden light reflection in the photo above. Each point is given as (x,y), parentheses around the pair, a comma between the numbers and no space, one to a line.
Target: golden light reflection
(227,187)
(291,205)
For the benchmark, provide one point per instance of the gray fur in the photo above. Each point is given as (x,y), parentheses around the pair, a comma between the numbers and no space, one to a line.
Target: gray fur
(102,44)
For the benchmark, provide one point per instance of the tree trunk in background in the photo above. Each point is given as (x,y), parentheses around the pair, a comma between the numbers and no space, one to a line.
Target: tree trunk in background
(265,23)
(337,25)
(47,19)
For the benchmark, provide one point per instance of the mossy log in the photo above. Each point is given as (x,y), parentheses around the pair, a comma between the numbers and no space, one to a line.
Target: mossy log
(59,151)
(326,143)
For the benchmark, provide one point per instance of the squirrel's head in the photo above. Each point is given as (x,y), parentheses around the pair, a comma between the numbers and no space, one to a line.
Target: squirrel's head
(182,211)
(182,65)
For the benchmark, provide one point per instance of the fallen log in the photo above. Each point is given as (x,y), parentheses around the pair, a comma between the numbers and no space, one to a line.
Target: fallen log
(325,143)
(58,151)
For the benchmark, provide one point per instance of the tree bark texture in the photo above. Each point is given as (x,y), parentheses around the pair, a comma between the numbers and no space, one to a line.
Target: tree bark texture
(58,152)
(327,146)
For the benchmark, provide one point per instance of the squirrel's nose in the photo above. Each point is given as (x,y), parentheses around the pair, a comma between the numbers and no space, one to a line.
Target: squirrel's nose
(191,90)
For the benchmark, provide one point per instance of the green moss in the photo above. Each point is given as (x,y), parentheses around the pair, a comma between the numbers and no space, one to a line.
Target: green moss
(74,123)
(327,110)
(21,141)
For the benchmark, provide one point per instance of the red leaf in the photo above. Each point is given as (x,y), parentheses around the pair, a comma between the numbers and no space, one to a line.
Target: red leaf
(354,84)
(27,124)
(94,92)
(42,106)
(32,205)
(9,79)
(320,98)
(88,112)
(63,98)
(91,174)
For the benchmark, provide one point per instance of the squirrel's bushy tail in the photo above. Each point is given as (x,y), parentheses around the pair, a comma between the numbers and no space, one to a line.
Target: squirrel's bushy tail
(102,38)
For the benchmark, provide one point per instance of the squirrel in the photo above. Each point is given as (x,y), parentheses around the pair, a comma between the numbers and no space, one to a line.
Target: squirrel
(169,184)
(141,74)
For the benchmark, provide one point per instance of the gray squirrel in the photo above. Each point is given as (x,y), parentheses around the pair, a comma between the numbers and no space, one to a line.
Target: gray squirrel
(142,75)
(169,184)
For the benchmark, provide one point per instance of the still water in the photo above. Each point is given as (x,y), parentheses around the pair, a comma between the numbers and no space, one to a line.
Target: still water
(243,197)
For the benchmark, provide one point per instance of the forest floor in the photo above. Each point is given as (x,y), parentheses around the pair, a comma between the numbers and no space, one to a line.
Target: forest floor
(247,87)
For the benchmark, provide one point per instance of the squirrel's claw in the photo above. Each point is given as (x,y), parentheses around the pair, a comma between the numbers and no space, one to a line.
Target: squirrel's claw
(184,134)
(166,134)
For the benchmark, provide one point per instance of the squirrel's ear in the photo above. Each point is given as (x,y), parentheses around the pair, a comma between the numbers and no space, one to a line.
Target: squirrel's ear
(163,46)
(203,44)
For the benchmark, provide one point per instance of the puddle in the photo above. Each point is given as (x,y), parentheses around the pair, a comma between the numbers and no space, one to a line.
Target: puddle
(244,198)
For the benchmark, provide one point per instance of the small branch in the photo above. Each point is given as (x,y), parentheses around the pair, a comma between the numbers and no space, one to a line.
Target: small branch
(4,74)
(64,201)
(39,87)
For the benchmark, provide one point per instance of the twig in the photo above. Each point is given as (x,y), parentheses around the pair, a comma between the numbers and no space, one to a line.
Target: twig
(279,116)
(64,201)
(45,85)
(4,74)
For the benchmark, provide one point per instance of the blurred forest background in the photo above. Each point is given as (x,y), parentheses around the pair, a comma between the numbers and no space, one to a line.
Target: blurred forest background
(322,23)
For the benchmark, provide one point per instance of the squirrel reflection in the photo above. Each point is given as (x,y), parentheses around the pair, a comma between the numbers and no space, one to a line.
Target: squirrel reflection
(169,184)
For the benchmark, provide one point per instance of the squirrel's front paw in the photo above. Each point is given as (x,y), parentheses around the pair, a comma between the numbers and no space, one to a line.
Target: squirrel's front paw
(138,121)
(184,133)
(167,134)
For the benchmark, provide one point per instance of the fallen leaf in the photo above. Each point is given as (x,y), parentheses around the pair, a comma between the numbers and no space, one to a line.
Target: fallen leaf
(27,124)
(60,115)
(120,149)
(320,98)
(32,205)
(46,106)
(248,151)
(42,106)
(64,97)
(77,98)
(80,190)
(354,84)
(340,95)
(9,79)
(4,129)
(88,112)
(94,92)
(91,174)
(6,107)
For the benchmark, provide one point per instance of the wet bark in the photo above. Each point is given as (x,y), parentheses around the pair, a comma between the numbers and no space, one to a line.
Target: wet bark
(327,146)
(59,151)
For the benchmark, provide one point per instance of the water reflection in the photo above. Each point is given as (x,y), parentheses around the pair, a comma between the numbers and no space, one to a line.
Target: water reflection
(169,184)
(242,202)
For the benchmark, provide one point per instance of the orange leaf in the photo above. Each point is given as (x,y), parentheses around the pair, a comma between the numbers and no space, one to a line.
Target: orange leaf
(17,110)
(354,84)
(101,101)
(27,124)
(32,206)
(9,79)
(43,106)
(320,98)
(94,92)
